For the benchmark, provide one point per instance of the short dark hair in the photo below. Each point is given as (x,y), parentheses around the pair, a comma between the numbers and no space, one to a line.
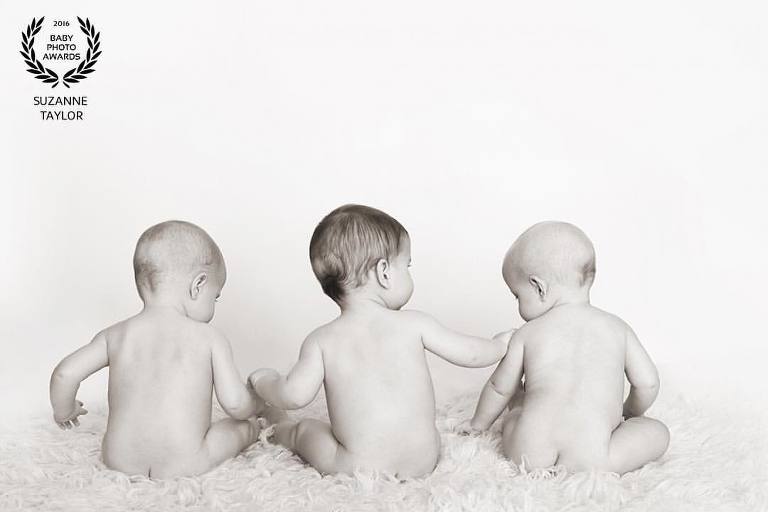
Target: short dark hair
(348,242)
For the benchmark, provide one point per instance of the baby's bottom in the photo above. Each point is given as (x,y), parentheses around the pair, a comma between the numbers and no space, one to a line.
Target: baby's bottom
(224,440)
(313,441)
(631,445)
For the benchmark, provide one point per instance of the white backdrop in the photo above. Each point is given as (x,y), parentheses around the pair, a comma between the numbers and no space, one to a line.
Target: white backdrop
(645,124)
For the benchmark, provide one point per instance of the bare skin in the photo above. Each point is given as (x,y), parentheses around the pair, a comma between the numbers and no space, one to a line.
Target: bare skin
(574,358)
(163,370)
(164,365)
(372,363)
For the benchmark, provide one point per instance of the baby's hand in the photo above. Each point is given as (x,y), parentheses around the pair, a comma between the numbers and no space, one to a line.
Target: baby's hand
(258,402)
(69,420)
(262,373)
(465,428)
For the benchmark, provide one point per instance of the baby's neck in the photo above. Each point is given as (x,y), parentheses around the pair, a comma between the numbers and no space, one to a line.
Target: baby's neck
(164,304)
(572,296)
(362,303)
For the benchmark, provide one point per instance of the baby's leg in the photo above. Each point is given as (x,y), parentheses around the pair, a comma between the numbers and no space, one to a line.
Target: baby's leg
(227,438)
(313,441)
(224,440)
(635,442)
(515,407)
(517,399)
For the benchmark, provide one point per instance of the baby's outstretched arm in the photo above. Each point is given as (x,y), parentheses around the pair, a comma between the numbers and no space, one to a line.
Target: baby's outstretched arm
(459,349)
(642,375)
(500,388)
(237,398)
(300,386)
(67,376)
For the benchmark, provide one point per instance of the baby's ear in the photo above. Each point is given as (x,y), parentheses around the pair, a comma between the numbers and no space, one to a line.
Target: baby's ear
(382,273)
(540,286)
(197,285)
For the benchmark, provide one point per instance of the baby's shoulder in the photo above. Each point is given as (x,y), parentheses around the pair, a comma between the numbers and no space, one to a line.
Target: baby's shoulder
(528,333)
(540,326)
(117,331)
(325,333)
(610,320)
(206,334)
(413,318)
(527,330)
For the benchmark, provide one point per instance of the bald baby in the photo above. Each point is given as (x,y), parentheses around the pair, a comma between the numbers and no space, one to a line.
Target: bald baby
(573,357)
(550,262)
(170,251)
(557,251)
(165,363)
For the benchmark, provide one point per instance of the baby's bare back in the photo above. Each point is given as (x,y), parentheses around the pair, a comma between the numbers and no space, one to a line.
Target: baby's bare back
(574,374)
(160,390)
(379,391)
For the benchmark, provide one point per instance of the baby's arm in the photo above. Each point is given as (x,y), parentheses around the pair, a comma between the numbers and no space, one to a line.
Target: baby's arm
(67,376)
(459,349)
(236,398)
(642,375)
(300,386)
(500,388)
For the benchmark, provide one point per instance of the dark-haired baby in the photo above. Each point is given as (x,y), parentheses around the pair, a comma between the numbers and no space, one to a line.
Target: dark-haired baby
(371,359)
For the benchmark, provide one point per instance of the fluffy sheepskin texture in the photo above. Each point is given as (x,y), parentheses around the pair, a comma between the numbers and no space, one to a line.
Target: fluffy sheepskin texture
(714,463)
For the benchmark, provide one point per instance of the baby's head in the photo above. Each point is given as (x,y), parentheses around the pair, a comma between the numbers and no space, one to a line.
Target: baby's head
(356,247)
(550,263)
(178,263)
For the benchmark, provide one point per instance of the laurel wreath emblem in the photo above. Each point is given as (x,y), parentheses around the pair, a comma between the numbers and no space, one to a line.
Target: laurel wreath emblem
(47,75)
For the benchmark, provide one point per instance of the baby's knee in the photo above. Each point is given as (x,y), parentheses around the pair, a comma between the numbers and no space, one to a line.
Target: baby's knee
(654,434)
(652,427)
(660,433)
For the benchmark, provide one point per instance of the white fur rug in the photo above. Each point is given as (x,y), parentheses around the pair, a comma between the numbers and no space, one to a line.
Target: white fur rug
(714,463)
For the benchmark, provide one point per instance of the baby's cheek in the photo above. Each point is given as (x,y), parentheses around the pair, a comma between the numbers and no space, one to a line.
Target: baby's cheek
(525,311)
